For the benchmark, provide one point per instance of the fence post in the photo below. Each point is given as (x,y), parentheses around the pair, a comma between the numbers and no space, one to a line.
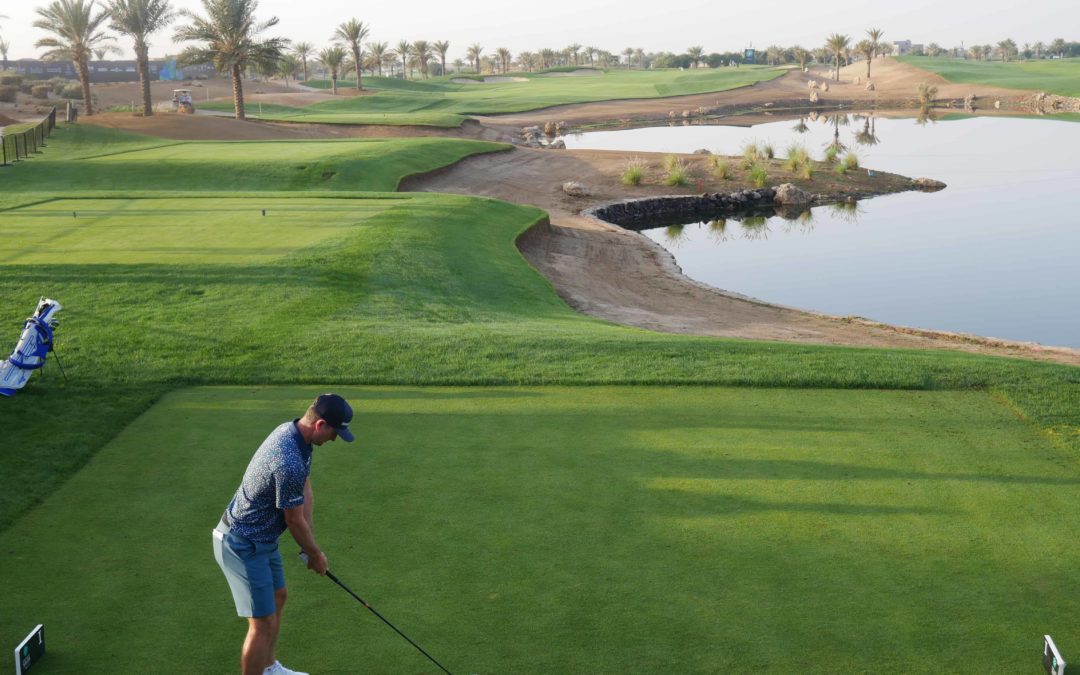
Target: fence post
(3,149)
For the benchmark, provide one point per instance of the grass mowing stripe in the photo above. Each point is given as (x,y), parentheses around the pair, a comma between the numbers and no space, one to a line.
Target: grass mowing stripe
(552,529)
(1058,76)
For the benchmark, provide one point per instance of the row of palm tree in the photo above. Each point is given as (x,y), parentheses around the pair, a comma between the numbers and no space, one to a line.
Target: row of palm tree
(840,45)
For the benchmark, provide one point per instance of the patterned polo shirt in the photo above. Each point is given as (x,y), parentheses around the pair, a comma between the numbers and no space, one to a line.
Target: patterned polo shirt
(274,480)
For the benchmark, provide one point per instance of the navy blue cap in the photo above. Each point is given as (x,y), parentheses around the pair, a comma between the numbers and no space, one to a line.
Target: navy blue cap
(336,412)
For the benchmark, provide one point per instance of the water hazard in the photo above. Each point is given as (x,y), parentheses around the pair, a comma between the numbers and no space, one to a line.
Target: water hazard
(994,254)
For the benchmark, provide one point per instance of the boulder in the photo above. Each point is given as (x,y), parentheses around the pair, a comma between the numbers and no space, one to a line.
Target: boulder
(550,129)
(813,97)
(997,105)
(685,114)
(557,145)
(576,189)
(824,86)
(927,184)
(870,86)
(788,194)
(812,84)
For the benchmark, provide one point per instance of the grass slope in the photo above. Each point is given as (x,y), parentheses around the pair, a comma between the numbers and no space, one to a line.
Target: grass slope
(86,157)
(539,530)
(1054,76)
(442,96)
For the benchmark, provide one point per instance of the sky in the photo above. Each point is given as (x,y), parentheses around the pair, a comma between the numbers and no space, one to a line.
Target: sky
(716,25)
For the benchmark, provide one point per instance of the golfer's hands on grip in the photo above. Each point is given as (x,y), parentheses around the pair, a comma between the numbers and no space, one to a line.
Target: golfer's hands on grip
(318,563)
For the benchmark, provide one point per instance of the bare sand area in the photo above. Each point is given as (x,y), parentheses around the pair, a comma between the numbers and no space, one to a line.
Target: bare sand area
(622,276)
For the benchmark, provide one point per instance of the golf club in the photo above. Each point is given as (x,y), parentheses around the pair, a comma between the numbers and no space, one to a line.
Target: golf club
(304,557)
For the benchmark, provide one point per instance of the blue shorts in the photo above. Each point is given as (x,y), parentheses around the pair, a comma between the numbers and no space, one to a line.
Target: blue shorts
(253,570)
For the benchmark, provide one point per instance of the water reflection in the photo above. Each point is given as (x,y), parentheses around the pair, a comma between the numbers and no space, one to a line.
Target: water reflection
(994,254)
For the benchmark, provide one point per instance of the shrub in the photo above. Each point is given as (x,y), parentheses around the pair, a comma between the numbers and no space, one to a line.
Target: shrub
(73,91)
(766,151)
(26,87)
(58,84)
(10,79)
(926,93)
(8,93)
(670,161)
(797,157)
(749,155)
(757,175)
(634,172)
(851,161)
(721,168)
(831,153)
(40,91)
(807,172)
(678,174)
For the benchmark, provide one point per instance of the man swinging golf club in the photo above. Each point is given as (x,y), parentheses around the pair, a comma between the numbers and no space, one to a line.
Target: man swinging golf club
(274,496)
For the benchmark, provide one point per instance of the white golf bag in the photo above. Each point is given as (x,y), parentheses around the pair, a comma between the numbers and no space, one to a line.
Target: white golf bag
(34,344)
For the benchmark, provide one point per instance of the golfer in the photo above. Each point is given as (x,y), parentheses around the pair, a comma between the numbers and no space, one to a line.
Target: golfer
(274,496)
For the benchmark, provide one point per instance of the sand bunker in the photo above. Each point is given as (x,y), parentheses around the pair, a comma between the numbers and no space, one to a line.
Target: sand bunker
(580,72)
(488,80)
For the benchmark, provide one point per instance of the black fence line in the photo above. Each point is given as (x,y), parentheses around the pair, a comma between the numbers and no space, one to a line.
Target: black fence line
(30,140)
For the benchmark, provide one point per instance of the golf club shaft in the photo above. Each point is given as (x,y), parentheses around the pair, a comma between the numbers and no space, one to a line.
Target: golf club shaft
(383,619)
(304,557)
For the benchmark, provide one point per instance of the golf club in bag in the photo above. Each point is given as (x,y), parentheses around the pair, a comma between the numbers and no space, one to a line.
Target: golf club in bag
(304,557)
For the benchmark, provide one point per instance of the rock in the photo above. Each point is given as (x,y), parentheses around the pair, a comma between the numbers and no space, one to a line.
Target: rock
(702,151)
(997,105)
(812,84)
(788,194)
(550,129)
(927,184)
(813,97)
(870,86)
(671,114)
(557,145)
(685,114)
(576,189)
(702,110)
(824,86)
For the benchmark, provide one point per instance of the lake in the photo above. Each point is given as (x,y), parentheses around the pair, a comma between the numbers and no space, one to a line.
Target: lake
(994,254)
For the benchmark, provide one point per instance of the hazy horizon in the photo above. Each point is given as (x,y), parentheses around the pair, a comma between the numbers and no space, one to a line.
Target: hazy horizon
(613,26)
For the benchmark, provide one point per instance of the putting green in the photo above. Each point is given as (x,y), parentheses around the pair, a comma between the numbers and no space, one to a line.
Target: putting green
(580,529)
(177,231)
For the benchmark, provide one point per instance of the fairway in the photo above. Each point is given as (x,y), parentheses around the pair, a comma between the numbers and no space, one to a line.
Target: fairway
(1061,76)
(177,231)
(441,102)
(540,530)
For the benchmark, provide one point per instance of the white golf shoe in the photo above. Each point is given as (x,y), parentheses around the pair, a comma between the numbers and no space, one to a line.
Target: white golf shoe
(278,669)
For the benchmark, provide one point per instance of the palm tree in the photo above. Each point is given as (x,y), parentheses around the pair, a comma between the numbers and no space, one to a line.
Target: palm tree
(695,54)
(473,54)
(1006,48)
(332,58)
(801,55)
(504,58)
(573,51)
(836,44)
(423,52)
(866,48)
(4,47)
(1057,47)
(351,34)
(288,66)
(547,57)
(875,35)
(404,48)
(378,52)
(1039,48)
(629,54)
(138,19)
(442,46)
(231,38)
(302,50)
(77,31)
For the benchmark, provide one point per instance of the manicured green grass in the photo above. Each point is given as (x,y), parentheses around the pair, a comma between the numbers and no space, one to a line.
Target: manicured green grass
(86,157)
(592,530)
(284,113)
(442,96)
(1053,76)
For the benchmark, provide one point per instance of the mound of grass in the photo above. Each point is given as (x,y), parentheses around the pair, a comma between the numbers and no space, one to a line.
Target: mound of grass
(634,172)
(1058,76)
(86,157)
